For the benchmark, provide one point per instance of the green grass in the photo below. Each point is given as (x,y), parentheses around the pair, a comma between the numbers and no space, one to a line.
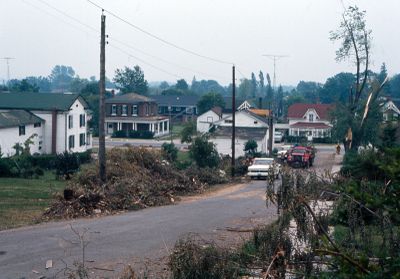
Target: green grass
(22,201)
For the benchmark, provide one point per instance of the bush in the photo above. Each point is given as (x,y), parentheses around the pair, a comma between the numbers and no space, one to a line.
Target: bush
(140,135)
(85,157)
(169,152)
(195,260)
(119,134)
(44,161)
(204,153)
(250,147)
(322,140)
(5,167)
(296,139)
(67,164)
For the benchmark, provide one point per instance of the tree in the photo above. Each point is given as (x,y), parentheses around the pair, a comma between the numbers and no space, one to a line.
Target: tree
(169,151)
(163,85)
(279,101)
(182,85)
(203,152)
(395,86)
(205,86)
(336,88)
(188,131)
(386,90)
(61,77)
(355,46)
(131,80)
(310,91)
(24,85)
(254,86)
(245,89)
(262,84)
(43,83)
(250,147)
(210,100)
(77,84)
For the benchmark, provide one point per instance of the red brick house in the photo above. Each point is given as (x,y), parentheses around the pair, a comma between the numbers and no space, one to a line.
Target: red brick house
(134,112)
(310,120)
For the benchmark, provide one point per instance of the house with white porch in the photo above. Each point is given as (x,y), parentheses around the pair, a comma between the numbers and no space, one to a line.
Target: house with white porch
(59,121)
(390,112)
(309,120)
(133,112)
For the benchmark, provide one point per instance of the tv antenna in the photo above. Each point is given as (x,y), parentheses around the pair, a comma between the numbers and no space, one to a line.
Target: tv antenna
(275,57)
(7,59)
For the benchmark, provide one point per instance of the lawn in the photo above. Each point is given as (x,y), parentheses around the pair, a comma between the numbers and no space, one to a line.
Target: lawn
(22,201)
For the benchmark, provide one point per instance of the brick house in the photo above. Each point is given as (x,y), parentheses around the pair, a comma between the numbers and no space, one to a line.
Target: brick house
(134,112)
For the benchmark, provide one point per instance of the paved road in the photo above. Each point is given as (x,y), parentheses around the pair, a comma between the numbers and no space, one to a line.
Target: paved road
(134,234)
(146,233)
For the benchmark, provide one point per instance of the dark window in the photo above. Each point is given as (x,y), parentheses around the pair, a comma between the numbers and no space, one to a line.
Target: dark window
(114,110)
(70,121)
(21,130)
(37,125)
(82,120)
(124,110)
(82,139)
(71,142)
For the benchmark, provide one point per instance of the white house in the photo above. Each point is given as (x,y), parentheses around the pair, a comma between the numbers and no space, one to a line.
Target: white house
(390,112)
(309,120)
(16,127)
(65,119)
(207,119)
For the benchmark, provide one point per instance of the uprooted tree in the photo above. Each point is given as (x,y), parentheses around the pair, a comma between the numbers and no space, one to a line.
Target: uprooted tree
(356,115)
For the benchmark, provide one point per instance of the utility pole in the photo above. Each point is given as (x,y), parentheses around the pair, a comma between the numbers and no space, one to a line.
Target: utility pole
(8,66)
(102,84)
(275,58)
(233,121)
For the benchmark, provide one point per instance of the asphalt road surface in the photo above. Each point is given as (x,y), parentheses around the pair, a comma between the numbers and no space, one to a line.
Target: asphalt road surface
(113,241)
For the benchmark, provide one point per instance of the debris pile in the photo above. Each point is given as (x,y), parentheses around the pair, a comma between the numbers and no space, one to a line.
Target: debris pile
(136,178)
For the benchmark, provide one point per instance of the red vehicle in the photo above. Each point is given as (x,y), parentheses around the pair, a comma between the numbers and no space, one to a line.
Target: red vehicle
(301,156)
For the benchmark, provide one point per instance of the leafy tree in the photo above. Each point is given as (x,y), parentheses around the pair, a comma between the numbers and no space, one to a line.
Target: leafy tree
(205,86)
(172,92)
(245,89)
(262,84)
(336,88)
(386,90)
(395,86)
(24,85)
(188,131)
(43,83)
(254,86)
(210,100)
(169,151)
(67,164)
(389,136)
(77,84)
(61,77)
(163,85)
(279,101)
(182,85)
(204,152)
(131,80)
(250,147)
(310,91)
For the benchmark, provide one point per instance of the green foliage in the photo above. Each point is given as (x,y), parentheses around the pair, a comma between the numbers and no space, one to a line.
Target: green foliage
(205,86)
(61,77)
(169,151)
(188,131)
(131,80)
(191,259)
(210,100)
(133,134)
(67,164)
(23,85)
(204,153)
(388,136)
(250,147)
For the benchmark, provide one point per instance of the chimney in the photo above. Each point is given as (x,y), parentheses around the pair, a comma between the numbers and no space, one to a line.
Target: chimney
(260,102)
(113,92)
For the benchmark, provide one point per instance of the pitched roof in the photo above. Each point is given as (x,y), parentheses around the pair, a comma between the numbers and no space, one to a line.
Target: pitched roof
(130,98)
(260,112)
(313,125)
(298,110)
(175,100)
(15,118)
(39,101)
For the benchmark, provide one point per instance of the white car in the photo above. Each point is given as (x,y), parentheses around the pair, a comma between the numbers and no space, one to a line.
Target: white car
(282,152)
(262,167)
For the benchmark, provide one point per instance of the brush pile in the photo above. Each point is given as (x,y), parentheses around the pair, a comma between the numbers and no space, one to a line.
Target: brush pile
(136,178)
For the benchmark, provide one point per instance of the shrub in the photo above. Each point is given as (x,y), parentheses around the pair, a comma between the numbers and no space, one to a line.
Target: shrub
(322,140)
(140,134)
(119,134)
(250,147)
(204,153)
(296,139)
(85,157)
(169,151)
(67,164)
(5,167)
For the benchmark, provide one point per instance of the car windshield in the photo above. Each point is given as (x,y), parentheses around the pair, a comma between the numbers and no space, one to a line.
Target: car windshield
(301,151)
(262,162)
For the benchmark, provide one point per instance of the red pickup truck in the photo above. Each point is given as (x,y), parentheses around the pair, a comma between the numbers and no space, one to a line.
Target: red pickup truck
(301,156)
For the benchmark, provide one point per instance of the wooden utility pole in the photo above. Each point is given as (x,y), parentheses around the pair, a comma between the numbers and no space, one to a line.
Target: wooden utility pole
(233,121)
(102,84)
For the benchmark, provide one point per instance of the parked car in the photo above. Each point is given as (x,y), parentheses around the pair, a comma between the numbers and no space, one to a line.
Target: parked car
(262,167)
(283,152)
(301,156)
(278,136)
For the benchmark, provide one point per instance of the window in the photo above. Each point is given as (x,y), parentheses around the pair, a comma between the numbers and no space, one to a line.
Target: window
(255,122)
(21,130)
(159,110)
(82,120)
(210,119)
(114,110)
(124,110)
(36,125)
(70,121)
(82,139)
(311,117)
(134,110)
(178,109)
(228,121)
(71,142)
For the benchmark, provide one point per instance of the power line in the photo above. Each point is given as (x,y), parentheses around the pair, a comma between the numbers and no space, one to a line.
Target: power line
(116,40)
(159,38)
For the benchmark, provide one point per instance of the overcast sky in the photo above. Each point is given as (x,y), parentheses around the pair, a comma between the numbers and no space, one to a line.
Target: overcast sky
(39,37)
